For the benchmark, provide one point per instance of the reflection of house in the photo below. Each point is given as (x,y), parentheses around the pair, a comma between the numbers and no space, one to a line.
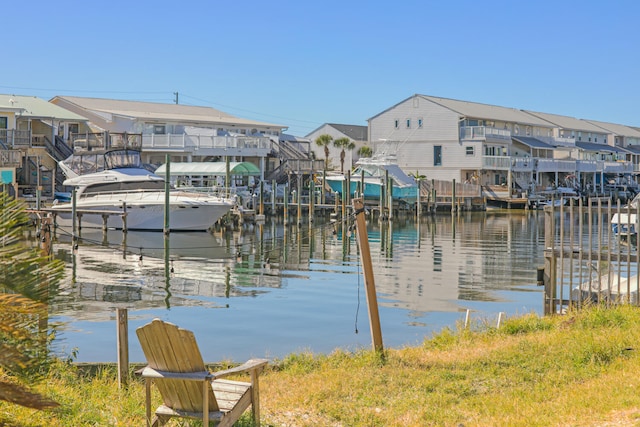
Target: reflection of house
(356,134)
(449,140)
(30,141)
(185,133)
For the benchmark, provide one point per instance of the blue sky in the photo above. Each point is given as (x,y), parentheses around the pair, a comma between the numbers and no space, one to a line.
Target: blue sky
(305,63)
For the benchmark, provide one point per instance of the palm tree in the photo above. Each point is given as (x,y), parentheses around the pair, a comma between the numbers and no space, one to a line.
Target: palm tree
(344,144)
(26,278)
(325,140)
(416,175)
(365,151)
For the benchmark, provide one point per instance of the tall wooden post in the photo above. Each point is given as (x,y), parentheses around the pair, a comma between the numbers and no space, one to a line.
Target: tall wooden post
(122,335)
(367,268)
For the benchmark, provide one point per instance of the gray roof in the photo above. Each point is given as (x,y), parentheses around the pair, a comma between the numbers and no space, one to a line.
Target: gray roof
(533,142)
(566,122)
(162,112)
(355,132)
(36,108)
(488,112)
(592,146)
(617,129)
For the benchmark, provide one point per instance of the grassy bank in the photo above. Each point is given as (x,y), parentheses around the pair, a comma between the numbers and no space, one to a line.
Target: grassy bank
(581,369)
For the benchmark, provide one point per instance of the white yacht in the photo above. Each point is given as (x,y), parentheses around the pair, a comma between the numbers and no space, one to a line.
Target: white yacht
(124,186)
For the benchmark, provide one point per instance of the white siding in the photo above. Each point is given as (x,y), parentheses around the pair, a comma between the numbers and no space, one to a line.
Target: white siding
(438,123)
(440,126)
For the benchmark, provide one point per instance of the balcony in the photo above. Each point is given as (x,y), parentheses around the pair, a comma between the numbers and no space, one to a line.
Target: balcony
(12,138)
(484,133)
(206,145)
(496,162)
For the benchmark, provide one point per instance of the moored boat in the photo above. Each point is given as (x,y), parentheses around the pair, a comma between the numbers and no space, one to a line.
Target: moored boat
(125,187)
(374,170)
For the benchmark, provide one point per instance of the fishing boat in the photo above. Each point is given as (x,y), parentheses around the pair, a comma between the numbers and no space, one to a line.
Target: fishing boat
(125,194)
(556,197)
(373,171)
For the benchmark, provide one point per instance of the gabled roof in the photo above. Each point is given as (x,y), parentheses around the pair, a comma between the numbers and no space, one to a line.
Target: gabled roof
(566,122)
(161,112)
(36,108)
(533,142)
(355,132)
(487,112)
(617,129)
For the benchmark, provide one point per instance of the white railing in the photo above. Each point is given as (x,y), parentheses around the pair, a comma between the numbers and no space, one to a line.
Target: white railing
(196,142)
(482,132)
(496,162)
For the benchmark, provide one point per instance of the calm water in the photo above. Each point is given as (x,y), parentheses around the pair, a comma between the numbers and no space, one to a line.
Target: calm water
(271,290)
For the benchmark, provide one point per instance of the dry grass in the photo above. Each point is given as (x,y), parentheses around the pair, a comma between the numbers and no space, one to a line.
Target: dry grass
(576,370)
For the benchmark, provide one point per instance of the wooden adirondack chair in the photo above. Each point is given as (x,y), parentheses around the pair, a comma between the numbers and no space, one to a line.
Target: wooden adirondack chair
(187,388)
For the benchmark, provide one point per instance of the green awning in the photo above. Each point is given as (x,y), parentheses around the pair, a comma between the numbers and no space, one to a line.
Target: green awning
(210,169)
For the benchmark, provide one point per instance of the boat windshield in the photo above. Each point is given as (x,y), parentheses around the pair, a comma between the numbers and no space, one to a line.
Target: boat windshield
(117,159)
(119,186)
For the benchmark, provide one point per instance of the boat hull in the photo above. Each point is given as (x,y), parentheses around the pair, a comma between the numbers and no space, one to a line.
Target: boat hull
(145,212)
(372,190)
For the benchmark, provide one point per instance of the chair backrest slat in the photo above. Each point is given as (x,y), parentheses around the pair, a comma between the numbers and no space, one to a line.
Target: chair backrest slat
(172,349)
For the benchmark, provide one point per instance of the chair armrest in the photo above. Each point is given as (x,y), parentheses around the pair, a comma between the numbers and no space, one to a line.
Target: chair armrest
(148,372)
(249,365)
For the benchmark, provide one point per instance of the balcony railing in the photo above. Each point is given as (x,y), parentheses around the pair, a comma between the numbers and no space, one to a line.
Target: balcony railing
(496,162)
(202,142)
(483,132)
(12,138)
(539,165)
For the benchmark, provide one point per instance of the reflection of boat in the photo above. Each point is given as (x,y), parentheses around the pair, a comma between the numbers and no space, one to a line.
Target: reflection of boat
(124,186)
(375,169)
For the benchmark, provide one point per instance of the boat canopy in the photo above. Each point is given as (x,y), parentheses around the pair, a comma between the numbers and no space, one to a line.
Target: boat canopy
(209,169)
(379,170)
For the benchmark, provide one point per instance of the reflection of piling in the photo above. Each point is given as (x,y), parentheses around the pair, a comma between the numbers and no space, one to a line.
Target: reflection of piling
(299,200)
(286,203)
(312,195)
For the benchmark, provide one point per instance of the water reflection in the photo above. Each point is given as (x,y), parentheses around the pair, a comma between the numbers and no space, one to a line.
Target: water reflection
(288,281)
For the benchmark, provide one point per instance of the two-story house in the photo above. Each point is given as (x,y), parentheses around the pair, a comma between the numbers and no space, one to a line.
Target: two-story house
(31,142)
(358,135)
(186,133)
(447,139)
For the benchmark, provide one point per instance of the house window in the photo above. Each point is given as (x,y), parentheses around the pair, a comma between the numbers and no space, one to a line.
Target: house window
(408,123)
(469,150)
(437,155)
(159,129)
(420,122)
(4,122)
(397,123)
(73,128)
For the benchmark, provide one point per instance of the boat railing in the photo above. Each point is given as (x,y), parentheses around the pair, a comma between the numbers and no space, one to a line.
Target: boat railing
(155,195)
